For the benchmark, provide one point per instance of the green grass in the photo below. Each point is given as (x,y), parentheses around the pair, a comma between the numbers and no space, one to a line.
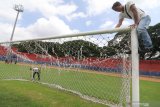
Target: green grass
(96,85)
(29,94)
(150,93)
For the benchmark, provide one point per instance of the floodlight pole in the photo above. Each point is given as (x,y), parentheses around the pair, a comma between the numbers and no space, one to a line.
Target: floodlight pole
(18,8)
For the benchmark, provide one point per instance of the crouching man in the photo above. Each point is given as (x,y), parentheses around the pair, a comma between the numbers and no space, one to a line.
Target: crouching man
(35,70)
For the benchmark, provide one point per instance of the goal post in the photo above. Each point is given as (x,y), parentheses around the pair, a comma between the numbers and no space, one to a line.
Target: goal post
(135,69)
(93,65)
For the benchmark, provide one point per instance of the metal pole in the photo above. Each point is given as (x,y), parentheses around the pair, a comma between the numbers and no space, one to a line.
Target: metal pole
(14,27)
(18,8)
(135,69)
(81,52)
(77,34)
(78,57)
(9,49)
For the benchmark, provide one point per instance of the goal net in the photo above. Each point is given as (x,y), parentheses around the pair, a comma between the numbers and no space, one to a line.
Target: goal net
(93,65)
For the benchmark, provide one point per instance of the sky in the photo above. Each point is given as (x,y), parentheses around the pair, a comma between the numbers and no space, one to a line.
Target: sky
(46,18)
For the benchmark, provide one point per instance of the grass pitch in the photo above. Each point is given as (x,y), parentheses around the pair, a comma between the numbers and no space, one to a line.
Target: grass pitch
(29,94)
(96,85)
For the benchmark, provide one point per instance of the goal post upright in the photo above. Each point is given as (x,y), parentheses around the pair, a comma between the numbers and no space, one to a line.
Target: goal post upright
(135,69)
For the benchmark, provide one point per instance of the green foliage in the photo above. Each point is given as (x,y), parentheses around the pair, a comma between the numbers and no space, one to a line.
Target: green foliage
(109,51)
(154,32)
(60,50)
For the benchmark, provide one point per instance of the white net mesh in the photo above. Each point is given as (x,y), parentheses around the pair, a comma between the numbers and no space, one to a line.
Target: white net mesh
(94,66)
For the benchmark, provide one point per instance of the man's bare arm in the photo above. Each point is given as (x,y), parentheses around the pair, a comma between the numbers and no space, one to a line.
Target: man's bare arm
(135,14)
(119,23)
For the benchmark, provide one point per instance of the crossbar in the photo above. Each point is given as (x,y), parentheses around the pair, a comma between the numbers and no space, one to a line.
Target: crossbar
(75,34)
